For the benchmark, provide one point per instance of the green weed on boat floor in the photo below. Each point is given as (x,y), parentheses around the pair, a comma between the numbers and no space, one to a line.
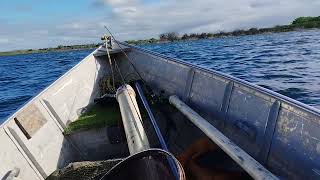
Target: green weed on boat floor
(98,116)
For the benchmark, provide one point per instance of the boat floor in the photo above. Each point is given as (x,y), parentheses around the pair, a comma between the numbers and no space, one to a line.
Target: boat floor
(173,126)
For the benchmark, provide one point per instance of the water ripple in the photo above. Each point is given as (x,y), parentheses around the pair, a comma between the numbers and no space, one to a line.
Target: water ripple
(23,76)
(287,63)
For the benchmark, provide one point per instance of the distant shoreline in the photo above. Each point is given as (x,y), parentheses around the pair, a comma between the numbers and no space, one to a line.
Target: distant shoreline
(300,23)
(46,50)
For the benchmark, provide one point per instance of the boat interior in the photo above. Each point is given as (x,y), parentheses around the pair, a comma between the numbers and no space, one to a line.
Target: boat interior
(71,129)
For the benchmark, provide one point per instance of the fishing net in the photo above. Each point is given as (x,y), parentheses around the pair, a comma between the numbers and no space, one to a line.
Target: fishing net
(150,164)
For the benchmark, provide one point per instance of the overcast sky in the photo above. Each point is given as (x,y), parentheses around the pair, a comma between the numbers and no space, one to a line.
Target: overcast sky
(28,24)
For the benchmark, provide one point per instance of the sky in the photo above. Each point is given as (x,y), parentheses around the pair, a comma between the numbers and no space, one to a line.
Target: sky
(31,24)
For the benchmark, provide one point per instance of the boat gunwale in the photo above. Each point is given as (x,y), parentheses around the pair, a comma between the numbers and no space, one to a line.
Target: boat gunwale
(42,91)
(260,89)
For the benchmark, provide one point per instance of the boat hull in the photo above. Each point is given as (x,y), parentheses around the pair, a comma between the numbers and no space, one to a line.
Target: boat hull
(275,130)
(32,138)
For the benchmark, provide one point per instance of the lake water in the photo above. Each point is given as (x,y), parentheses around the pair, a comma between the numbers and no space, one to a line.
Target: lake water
(288,63)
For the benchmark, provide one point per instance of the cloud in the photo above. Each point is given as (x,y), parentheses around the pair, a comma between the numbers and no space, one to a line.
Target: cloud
(127,11)
(117,3)
(4,40)
(137,19)
(143,20)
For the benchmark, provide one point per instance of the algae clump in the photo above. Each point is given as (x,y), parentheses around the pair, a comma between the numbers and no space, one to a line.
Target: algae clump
(96,117)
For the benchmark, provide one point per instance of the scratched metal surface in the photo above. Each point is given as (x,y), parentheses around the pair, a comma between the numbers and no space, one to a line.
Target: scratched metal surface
(279,132)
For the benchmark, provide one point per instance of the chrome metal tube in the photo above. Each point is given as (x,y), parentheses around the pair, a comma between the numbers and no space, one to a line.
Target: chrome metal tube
(249,164)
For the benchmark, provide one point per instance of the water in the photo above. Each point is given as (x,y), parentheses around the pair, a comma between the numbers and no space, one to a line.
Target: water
(24,76)
(288,63)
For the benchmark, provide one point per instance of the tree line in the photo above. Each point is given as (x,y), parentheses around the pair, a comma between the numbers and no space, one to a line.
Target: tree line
(298,23)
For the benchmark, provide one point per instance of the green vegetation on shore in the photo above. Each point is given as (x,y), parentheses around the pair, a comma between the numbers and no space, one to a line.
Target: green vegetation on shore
(45,50)
(297,24)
